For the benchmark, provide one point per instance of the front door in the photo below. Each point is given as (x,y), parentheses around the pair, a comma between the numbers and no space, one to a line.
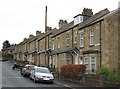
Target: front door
(76,58)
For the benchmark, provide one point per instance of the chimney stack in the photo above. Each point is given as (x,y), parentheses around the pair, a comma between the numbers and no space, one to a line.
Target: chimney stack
(25,39)
(87,12)
(30,36)
(38,32)
(48,29)
(55,29)
(62,23)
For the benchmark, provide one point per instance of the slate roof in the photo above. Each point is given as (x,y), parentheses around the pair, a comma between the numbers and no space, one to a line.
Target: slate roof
(93,18)
(62,29)
(82,24)
(102,18)
(24,41)
(43,36)
(32,39)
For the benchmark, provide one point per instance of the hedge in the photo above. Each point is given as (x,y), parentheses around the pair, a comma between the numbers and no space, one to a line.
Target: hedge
(72,70)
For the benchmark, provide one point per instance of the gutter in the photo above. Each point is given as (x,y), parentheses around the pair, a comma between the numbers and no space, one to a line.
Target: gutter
(100,46)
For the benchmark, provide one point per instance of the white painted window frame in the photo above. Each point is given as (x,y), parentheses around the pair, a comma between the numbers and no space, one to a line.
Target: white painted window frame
(81,39)
(50,43)
(75,36)
(67,37)
(53,44)
(87,64)
(58,42)
(91,64)
(91,37)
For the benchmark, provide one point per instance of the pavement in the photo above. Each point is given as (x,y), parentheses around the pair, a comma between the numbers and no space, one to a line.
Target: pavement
(69,84)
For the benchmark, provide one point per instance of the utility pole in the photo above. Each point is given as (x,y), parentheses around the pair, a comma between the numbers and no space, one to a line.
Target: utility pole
(45,34)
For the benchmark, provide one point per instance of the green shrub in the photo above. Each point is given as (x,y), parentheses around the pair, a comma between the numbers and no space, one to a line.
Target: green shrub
(72,71)
(116,76)
(55,71)
(104,71)
(112,76)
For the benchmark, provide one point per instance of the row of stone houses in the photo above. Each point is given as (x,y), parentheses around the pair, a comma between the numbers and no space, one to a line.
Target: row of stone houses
(89,39)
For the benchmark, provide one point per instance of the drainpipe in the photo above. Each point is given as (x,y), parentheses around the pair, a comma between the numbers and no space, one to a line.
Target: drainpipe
(38,54)
(48,55)
(72,45)
(100,46)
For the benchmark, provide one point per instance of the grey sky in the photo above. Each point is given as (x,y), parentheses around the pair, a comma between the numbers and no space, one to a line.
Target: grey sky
(19,18)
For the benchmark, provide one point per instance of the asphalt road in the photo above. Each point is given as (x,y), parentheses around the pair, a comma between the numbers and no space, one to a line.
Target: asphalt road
(12,78)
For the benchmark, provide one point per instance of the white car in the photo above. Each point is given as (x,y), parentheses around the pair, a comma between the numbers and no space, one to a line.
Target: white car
(41,74)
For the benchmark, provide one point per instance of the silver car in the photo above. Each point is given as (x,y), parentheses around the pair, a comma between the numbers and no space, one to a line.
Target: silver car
(41,74)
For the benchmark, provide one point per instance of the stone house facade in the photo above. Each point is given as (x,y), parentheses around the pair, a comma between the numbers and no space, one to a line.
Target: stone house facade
(44,45)
(88,39)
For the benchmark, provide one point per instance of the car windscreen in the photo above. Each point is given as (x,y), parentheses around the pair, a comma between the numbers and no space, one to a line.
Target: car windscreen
(42,70)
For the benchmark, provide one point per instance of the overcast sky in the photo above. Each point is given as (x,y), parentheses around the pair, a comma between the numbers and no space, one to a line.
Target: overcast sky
(19,18)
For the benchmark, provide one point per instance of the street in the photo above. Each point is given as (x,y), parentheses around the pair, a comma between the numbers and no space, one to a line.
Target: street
(12,78)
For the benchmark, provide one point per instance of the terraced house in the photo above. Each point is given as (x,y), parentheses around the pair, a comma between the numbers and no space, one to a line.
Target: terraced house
(90,39)
(44,44)
(33,47)
(62,44)
(18,51)
(24,49)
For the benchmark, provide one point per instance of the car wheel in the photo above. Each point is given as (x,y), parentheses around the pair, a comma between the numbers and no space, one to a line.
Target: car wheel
(51,82)
(35,79)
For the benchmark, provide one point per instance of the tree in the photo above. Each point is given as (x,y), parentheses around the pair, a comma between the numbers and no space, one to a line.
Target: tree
(6,44)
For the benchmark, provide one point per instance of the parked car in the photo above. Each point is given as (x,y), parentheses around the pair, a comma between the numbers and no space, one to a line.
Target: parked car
(41,74)
(25,71)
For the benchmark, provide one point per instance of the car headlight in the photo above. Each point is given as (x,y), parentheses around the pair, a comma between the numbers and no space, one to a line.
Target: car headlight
(52,77)
(38,76)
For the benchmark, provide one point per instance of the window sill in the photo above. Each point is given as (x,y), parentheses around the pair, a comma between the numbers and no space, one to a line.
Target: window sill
(81,46)
(91,45)
(68,45)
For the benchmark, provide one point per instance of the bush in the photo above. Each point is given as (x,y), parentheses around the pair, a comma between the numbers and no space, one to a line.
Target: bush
(72,71)
(112,76)
(117,76)
(55,71)
(104,71)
